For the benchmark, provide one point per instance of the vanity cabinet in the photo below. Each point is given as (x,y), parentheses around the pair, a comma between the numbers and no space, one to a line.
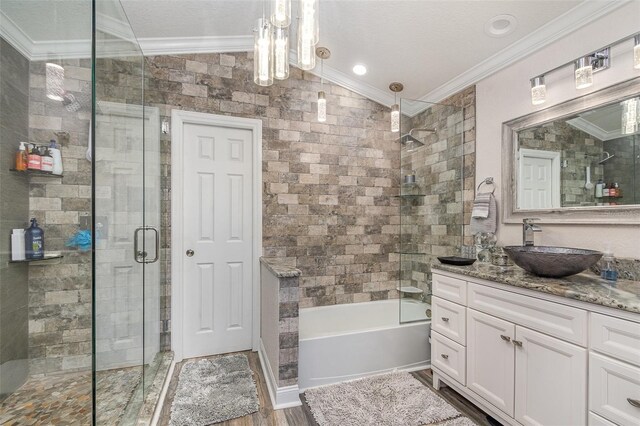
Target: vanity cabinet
(535,360)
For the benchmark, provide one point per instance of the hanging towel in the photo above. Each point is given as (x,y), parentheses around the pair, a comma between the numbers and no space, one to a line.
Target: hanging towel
(481,205)
(489,223)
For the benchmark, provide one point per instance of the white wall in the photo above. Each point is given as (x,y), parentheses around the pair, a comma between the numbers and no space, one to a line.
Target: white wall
(506,95)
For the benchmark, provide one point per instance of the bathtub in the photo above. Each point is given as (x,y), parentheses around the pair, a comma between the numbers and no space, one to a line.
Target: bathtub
(345,342)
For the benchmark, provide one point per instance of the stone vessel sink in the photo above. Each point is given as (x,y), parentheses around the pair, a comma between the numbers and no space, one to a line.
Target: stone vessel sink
(552,262)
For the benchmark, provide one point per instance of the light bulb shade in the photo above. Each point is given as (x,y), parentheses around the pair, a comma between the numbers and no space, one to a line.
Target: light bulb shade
(281,53)
(630,116)
(583,73)
(54,82)
(395,118)
(263,54)
(636,52)
(306,50)
(538,90)
(322,107)
(309,20)
(281,13)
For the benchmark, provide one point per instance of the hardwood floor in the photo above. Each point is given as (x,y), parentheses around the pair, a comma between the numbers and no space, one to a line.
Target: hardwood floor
(301,416)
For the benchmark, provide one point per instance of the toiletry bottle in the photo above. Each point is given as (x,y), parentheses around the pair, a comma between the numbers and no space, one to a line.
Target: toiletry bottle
(609,270)
(605,190)
(22,159)
(54,149)
(47,160)
(34,241)
(17,245)
(35,160)
(599,188)
(616,190)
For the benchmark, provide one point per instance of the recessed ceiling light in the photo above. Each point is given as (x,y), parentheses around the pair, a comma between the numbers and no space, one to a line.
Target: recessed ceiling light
(501,25)
(359,69)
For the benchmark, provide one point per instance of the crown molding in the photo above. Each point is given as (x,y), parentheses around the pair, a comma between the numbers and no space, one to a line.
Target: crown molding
(593,130)
(581,15)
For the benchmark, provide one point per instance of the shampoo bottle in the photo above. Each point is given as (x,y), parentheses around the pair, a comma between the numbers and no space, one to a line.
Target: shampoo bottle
(54,149)
(35,160)
(47,160)
(34,241)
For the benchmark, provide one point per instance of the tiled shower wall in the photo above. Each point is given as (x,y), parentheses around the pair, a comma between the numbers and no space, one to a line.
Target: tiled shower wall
(327,186)
(436,222)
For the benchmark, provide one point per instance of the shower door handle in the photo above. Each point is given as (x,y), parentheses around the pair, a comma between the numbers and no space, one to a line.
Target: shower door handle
(141,256)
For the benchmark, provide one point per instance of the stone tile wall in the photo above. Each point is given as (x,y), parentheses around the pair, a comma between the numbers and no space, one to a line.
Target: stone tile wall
(623,168)
(435,223)
(60,293)
(328,187)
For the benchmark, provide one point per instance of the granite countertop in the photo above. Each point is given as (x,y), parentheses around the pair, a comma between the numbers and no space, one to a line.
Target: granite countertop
(280,267)
(586,287)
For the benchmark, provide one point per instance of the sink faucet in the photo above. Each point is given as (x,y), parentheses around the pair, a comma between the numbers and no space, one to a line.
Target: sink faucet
(528,230)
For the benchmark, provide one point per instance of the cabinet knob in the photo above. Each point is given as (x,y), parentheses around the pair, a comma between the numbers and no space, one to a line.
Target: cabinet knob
(445,356)
(505,338)
(634,402)
(517,343)
(445,319)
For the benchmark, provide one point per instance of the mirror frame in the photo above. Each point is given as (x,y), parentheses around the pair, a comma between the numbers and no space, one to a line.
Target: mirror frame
(618,215)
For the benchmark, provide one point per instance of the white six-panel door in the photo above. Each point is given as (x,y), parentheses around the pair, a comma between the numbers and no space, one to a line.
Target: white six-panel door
(217,228)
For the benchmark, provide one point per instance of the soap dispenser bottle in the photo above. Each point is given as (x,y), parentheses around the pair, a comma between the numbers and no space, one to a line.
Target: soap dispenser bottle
(34,241)
(609,270)
(22,159)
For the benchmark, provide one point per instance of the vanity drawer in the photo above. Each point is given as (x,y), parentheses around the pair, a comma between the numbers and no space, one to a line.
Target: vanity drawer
(452,289)
(616,337)
(449,319)
(554,319)
(448,357)
(596,420)
(614,390)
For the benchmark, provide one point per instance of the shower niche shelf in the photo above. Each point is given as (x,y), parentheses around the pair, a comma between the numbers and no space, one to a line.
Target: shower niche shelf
(409,195)
(34,173)
(45,258)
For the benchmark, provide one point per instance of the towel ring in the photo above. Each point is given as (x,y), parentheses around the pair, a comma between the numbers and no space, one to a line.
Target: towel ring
(487,181)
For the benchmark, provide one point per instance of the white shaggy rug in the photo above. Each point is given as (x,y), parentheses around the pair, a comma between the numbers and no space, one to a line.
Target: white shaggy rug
(213,390)
(396,399)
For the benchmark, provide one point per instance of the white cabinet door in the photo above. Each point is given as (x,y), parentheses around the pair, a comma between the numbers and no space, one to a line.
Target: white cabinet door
(551,385)
(614,390)
(490,359)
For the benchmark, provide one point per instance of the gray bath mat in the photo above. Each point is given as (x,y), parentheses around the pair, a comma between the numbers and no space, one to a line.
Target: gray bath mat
(388,400)
(213,390)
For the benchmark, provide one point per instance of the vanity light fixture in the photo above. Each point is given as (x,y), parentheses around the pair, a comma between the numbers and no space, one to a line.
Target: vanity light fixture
(636,51)
(583,72)
(263,54)
(538,90)
(395,87)
(281,53)
(630,116)
(281,13)
(322,53)
(54,81)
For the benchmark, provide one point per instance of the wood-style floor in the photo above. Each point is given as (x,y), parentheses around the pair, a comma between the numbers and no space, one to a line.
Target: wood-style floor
(301,416)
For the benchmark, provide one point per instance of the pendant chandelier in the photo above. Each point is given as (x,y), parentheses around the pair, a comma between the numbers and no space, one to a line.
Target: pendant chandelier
(322,53)
(395,87)
(272,44)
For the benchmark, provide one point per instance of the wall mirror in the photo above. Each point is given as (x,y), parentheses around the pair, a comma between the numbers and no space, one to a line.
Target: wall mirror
(576,162)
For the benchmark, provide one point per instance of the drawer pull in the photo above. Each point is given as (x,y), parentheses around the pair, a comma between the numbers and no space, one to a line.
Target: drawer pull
(445,356)
(505,338)
(445,319)
(517,343)
(634,402)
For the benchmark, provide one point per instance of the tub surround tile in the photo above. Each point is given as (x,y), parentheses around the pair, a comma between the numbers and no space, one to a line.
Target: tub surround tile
(281,268)
(585,287)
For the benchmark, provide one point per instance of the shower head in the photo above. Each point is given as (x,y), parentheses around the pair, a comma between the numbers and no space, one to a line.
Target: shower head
(606,158)
(411,141)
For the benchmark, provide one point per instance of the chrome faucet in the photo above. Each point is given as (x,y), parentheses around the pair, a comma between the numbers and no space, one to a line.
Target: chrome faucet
(528,230)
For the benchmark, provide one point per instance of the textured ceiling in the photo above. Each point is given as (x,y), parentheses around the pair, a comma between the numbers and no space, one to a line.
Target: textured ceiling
(424,44)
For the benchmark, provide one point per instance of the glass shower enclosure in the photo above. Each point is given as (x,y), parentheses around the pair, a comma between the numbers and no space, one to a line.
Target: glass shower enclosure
(431,199)
(80,330)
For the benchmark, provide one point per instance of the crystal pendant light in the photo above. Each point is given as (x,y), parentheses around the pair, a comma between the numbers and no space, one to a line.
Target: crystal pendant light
(281,53)
(538,90)
(630,116)
(54,82)
(395,87)
(263,54)
(281,13)
(583,73)
(309,19)
(322,53)
(306,47)
(636,52)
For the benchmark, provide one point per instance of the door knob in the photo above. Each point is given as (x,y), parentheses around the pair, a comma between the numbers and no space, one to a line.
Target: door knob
(190,253)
